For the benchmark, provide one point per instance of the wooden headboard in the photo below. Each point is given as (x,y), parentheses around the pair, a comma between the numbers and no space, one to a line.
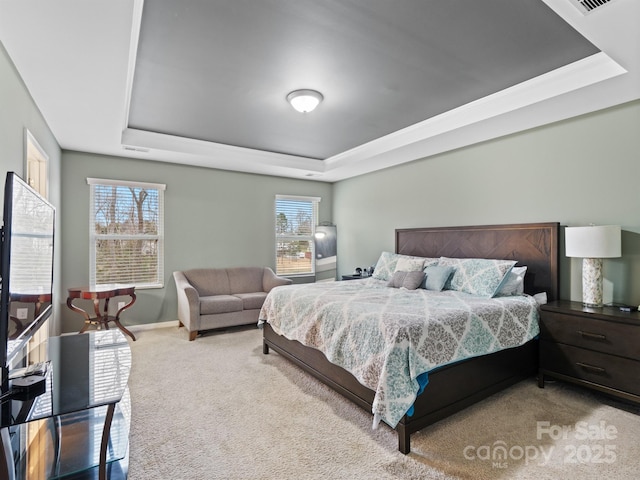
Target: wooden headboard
(532,244)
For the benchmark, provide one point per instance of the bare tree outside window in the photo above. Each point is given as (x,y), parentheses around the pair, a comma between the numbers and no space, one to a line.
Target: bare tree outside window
(295,222)
(127,234)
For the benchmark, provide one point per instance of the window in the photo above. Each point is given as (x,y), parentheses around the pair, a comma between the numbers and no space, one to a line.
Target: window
(127,233)
(36,163)
(36,170)
(296,218)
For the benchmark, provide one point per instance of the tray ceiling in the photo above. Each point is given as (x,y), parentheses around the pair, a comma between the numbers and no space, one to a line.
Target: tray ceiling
(205,82)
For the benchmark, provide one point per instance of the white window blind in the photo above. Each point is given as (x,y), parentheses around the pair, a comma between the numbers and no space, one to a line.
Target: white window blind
(32,225)
(296,218)
(126,233)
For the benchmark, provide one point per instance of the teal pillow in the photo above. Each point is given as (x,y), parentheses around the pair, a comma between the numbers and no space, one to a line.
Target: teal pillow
(437,277)
(477,276)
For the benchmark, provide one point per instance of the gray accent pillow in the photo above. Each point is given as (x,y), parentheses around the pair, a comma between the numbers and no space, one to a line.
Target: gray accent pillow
(437,276)
(408,280)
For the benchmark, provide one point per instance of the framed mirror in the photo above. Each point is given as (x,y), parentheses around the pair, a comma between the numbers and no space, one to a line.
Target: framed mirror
(326,239)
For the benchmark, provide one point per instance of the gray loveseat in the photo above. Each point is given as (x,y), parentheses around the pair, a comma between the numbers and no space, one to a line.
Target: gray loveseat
(211,298)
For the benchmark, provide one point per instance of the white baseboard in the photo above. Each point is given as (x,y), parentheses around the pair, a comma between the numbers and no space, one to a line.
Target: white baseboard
(139,328)
(152,326)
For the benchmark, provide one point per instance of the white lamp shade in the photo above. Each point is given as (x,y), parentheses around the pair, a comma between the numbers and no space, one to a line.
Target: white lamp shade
(593,241)
(304,100)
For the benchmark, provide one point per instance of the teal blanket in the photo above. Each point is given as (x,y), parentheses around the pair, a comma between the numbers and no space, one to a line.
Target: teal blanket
(387,337)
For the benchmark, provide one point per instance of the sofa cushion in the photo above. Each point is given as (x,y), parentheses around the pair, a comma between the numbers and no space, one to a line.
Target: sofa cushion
(245,279)
(219,304)
(252,301)
(209,281)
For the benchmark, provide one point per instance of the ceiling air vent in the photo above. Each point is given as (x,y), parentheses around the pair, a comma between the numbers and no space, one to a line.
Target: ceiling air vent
(587,6)
(135,149)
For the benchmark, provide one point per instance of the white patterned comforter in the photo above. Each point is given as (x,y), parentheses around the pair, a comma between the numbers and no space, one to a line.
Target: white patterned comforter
(386,337)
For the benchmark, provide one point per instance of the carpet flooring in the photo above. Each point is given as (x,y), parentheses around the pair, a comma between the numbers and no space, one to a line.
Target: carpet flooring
(217,408)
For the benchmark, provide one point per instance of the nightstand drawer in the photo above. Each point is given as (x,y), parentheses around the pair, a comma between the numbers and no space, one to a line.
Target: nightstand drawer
(609,337)
(599,368)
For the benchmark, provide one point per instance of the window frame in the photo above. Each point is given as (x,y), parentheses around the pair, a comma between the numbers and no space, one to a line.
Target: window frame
(280,238)
(159,236)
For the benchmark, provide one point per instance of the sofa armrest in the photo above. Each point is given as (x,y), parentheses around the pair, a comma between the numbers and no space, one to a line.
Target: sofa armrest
(188,302)
(271,280)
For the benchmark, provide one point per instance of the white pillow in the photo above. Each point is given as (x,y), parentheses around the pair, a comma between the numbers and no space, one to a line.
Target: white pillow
(514,283)
(409,264)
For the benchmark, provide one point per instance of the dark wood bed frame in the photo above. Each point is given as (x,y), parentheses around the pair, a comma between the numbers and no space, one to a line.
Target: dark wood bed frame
(457,386)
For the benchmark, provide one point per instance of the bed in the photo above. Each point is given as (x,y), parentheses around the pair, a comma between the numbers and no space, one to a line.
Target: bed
(460,383)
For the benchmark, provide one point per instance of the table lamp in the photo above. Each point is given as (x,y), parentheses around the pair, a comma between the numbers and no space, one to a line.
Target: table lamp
(592,244)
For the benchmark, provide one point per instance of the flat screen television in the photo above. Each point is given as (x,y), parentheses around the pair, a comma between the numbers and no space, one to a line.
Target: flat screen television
(26,268)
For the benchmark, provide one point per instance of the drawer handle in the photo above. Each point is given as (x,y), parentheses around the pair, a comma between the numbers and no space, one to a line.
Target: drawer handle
(591,368)
(592,336)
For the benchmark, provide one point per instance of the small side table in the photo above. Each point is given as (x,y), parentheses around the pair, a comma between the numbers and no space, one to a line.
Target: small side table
(101,293)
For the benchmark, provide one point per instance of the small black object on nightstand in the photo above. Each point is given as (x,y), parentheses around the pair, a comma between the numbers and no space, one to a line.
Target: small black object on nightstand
(628,308)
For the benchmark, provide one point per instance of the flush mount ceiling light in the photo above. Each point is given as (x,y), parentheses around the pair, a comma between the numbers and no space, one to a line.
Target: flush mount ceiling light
(304,101)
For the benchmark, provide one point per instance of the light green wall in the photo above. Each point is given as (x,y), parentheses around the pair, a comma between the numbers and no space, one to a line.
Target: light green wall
(213,218)
(17,113)
(580,171)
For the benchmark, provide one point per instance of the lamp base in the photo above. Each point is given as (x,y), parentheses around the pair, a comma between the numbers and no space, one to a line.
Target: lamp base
(592,305)
(592,282)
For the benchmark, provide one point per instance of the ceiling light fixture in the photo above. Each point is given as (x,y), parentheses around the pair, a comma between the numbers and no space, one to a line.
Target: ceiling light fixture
(304,101)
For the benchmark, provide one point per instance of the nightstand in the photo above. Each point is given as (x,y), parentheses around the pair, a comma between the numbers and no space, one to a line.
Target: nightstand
(598,348)
(354,277)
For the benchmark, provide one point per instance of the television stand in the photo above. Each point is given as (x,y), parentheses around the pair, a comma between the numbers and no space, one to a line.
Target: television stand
(79,427)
